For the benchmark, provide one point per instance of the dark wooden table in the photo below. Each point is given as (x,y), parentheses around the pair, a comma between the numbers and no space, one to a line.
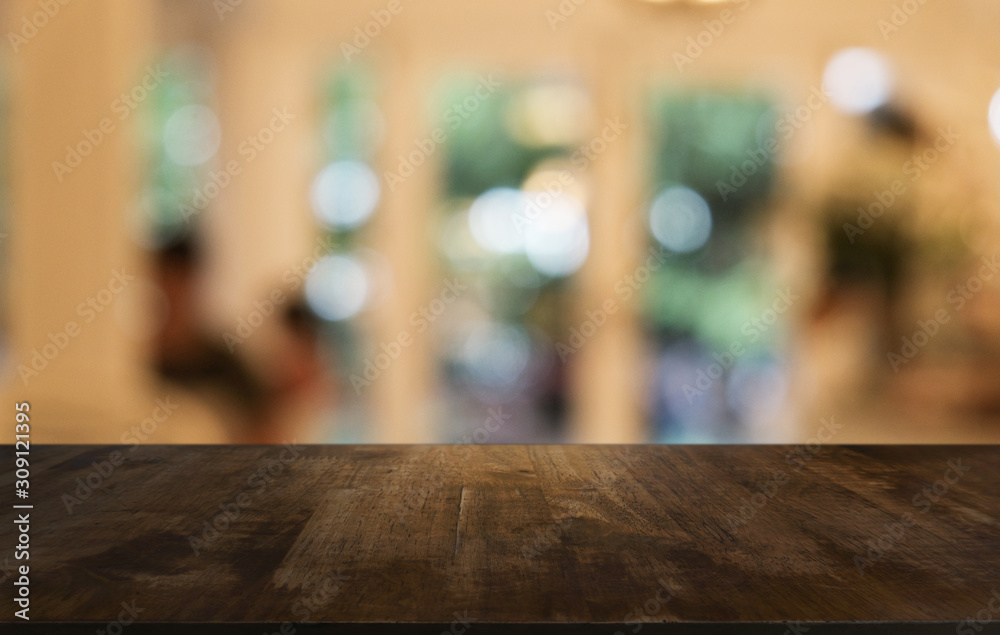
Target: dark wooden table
(491,539)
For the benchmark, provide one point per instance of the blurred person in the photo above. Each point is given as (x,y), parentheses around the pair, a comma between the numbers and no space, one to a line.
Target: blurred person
(864,247)
(186,355)
(277,400)
(298,387)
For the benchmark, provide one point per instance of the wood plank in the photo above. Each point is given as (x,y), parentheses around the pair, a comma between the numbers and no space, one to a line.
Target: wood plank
(393,537)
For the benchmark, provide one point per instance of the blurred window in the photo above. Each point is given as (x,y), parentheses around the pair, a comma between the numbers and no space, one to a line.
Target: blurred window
(182,134)
(349,277)
(712,313)
(513,232)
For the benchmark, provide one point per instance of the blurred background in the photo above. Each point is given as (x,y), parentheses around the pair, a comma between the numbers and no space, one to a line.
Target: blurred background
(612,221)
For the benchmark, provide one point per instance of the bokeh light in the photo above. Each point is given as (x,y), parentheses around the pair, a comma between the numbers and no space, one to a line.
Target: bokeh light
(994,116)
(492,220)
(680,219)
(344,194)
(337,287)
(557,240)
(495,355)
(858,80)
(192,135)
(550,114)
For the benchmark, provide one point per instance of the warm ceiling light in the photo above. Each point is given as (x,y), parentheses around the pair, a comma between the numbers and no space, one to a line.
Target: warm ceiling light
(689,1)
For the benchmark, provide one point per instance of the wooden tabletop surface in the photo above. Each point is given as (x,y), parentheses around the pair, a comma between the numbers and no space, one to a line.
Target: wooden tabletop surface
(403,538)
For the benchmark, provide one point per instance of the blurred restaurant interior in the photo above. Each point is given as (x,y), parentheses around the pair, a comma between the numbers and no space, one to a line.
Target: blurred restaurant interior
(433,221)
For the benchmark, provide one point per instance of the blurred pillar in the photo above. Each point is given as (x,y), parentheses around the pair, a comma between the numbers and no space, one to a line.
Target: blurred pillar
(276,56)
(606,380)
(260,228)
(73,178)
(261,232)
(401,397)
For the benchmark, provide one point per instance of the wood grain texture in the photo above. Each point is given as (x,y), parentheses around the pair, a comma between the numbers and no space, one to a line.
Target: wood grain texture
(513,534)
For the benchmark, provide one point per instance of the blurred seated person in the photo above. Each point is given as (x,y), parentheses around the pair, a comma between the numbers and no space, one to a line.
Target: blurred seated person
(273,404)
(186,355)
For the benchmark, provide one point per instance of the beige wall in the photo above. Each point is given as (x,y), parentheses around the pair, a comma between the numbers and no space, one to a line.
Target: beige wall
(67,239)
